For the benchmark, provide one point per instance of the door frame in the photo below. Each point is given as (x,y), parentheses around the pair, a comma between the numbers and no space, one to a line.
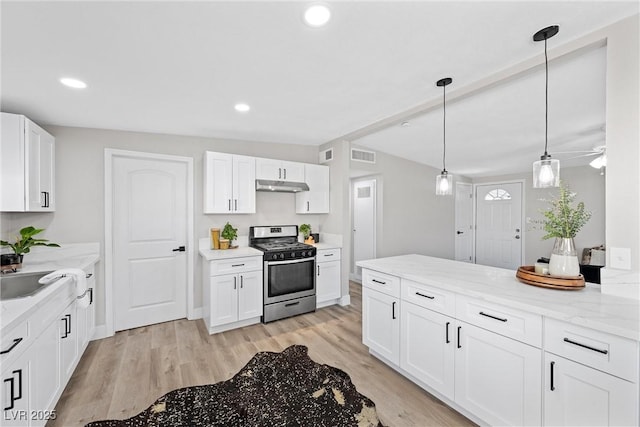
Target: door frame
(376,196)
(109,155)
(522,214)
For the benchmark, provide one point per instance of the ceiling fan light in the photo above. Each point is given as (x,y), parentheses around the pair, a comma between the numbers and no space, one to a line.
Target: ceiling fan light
(444,184)
(599,162)
(546,172)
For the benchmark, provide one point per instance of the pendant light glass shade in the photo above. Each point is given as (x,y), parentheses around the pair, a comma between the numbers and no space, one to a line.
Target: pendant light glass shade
(444,184)
(546,171)
(444,181)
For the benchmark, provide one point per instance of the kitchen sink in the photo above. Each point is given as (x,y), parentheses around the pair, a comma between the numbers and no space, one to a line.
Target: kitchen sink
(21,285)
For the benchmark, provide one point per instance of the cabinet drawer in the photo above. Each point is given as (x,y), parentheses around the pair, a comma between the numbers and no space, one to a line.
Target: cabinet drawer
(381,282)
(429,297)
(14,341)
(516,324)
(324,255)
(609,353)
(235,265)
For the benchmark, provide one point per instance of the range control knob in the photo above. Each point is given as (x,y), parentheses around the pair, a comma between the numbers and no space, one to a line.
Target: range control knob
(274,256)
(293,254)
(281,256)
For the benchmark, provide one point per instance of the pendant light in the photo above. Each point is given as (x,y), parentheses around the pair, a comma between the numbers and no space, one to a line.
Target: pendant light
(546,171)
(444,181)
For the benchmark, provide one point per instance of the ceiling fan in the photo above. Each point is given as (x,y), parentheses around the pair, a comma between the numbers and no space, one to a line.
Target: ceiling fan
(599,153)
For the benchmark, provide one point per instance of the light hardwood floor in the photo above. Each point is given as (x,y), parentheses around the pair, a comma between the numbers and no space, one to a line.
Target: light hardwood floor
(122,375)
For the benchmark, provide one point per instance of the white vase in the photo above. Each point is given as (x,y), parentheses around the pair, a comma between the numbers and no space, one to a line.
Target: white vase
(564,258)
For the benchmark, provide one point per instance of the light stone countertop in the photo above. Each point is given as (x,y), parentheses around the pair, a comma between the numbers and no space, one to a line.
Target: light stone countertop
(204,248)
(320,246)
(13,311)
(587,307)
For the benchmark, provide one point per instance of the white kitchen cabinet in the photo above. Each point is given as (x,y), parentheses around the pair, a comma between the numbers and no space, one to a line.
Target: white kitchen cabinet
(381,324)
(577,395)
(86,316)
(328,288)
(27,166)
(316,200)
(233,293)
(427,347)
(497,379)
(229,183)
(591,377)
(16,392)
(46,379)
(279,170)
(68,332)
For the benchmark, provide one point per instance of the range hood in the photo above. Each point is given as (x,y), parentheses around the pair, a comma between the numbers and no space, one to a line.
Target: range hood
(281,186)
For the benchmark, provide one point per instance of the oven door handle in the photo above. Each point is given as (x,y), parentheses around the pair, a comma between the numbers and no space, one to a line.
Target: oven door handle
(291,261)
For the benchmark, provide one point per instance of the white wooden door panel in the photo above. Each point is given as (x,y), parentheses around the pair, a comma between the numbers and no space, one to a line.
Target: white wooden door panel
(464,222)
(499,225)
(327,281)
(218,182)
(250,295)
(224,299)
(427,347)
(381,325)
(150,221)
(583,396)
(497,378)
(244,184)
(364,222)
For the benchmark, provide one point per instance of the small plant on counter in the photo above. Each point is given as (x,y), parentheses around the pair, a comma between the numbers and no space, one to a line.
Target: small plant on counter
(229,233)
(23,244)
(305,229)
(561,219)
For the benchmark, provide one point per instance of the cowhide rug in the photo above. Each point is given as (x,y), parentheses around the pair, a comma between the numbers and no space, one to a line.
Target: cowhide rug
(273,389)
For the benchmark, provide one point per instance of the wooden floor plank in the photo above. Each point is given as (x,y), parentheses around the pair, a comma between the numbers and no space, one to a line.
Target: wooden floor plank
(121,375)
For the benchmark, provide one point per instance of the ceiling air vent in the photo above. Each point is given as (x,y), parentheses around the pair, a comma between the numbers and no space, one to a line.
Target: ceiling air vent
(363,155)
(326,155)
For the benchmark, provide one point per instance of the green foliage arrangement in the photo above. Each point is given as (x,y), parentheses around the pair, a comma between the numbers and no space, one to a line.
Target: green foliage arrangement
(23,244)
(228,232)
(561,219)
(305,229)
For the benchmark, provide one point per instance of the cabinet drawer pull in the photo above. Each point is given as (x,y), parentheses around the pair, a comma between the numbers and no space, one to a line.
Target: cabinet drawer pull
(237,265)
(459,327)
(235,203)
(493,317)
(66,327)
(378,281)
(235,282)
(12,381)
(88,276)
(285,173)
(16,341)
(446,340)
(90,296)
(279,173)
(229,205)
(241,281)
(425,296)
(332,255)
(69,316)
(393,310)
(586,346)
(552,387)
(292,304)
(318,270)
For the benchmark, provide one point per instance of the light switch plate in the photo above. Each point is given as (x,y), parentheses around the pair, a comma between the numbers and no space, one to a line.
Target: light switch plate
(620,258)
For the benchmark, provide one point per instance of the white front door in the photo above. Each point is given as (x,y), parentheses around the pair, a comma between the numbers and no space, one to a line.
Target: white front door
(149,224)
(464,222)
(499,225)
(364,223)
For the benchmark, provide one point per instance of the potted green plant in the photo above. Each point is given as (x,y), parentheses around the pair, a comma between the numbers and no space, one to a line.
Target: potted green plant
(229,233)
(23,245)
(305,229)
(563,220)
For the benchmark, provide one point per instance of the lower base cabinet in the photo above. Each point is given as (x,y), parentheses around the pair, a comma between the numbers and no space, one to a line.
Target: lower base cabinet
(381,324)
(578,395)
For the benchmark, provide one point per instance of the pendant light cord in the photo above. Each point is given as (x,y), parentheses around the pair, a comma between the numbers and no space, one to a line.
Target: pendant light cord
(444,127)
(546,97)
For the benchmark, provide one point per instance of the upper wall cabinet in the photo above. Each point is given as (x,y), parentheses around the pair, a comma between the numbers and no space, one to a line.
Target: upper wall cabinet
(229,183)
(316,200)
(279,170)
(27,166)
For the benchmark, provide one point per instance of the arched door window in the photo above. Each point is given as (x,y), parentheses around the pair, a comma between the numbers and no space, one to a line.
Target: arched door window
(497,194)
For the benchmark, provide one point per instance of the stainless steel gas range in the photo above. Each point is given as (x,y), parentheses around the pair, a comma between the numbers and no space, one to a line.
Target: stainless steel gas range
(289,271)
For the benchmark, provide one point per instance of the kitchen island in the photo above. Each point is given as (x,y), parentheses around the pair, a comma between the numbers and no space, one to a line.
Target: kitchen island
(500,351)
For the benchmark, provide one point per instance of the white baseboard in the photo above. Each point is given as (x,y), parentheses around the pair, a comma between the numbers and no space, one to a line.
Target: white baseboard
(196,314)
(100,332)
(345,300)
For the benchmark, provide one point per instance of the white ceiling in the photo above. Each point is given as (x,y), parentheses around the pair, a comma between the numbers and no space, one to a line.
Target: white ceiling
(179,67)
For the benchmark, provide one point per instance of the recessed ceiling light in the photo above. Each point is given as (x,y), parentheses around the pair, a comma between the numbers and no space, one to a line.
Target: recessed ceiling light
(405,124)
(317,15)
(242,108)
(74,83)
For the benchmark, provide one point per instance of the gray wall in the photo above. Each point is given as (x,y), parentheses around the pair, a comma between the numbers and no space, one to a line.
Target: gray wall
(589,187)
(79,215)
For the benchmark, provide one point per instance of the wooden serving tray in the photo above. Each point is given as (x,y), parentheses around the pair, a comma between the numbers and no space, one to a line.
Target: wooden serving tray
(526,274)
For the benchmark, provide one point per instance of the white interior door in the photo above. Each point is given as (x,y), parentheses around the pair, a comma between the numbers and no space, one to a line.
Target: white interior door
(150,211)
(464,222)
(499,225)
(364,223)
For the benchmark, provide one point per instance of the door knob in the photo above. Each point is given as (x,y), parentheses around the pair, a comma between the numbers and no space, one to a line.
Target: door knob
(179,249)
(517,236)
(459,232)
